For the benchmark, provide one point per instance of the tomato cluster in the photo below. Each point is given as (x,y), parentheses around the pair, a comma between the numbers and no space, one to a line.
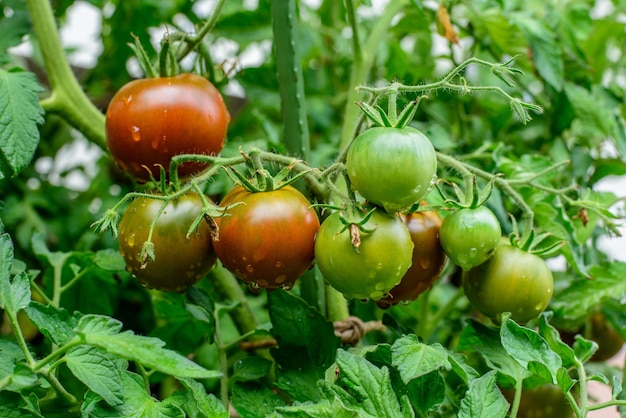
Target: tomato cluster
(373,248)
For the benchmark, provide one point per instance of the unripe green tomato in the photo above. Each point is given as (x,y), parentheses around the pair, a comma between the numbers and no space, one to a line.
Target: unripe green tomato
(391,167)
(469,236)
(512,280)
(383,257)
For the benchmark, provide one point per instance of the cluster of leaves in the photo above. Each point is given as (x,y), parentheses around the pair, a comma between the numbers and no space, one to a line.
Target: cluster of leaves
(80,335)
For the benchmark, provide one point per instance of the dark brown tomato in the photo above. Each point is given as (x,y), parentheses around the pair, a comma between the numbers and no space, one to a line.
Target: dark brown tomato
(428,258)
(267,238)
(151,120)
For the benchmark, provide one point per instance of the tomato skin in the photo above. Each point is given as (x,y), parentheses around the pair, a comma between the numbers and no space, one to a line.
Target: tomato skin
(391,167)
(428,258)
(383,258)
(150,120)
(180,261)
(267,239)
(609,341)
(469,236)
(512,280)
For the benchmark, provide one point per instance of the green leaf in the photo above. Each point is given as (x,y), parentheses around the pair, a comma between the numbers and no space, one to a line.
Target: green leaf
(306,345)
(427,392)
(20,113)
(14,28)
(183,325)
(14,294)
(250,368)
(12,405)
(324,409)
(596,119)
(94,368)
(206,403)
(110,260)
(414,359)
(252,400)
(368,387)
(530,349)
(13,368)
(55,323)
(10,354)
(103,332)
(486,341)
(546,50)
(553,338)
(55,259)
(582,296)
(137,403)
(584,348)
(483,399)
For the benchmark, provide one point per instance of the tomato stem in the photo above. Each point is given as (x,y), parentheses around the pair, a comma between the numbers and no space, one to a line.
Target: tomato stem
(362,65)
(290,78)
(67,97)
(193,41)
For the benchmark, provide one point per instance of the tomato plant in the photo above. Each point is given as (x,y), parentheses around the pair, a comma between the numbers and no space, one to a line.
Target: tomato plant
(266,238)
(512,280)
(180,258)
(392,167)
(481,94)
(151,120)
(370,271)
(428,258)
(469,236)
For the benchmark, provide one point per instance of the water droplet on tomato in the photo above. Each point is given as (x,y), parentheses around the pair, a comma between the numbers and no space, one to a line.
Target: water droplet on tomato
(364,300)
(249,268)
(278,264)
(135,133)
(128,99)
(424,263)
(280,279)
(286,286)
(155,143)
(131,240)
(253,285)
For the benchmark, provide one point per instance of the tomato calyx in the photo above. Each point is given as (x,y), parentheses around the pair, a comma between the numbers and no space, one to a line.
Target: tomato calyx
(473,197)
(542,245)
(390,118)
(263,181)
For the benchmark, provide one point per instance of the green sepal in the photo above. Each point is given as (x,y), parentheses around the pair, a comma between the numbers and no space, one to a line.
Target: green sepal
(142,56)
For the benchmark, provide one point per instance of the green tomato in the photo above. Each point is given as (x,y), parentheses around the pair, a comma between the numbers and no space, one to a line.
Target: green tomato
(383,257)
(391,167)
(469,236)
(512,280)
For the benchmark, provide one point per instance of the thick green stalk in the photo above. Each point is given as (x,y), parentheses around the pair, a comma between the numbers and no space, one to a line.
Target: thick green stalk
(67,97)
(290,79)
(293,108)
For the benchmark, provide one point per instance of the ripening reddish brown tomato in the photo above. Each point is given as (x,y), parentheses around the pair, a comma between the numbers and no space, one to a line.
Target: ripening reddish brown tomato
(151,120)
(266,238)
(181,259)
(428,258)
